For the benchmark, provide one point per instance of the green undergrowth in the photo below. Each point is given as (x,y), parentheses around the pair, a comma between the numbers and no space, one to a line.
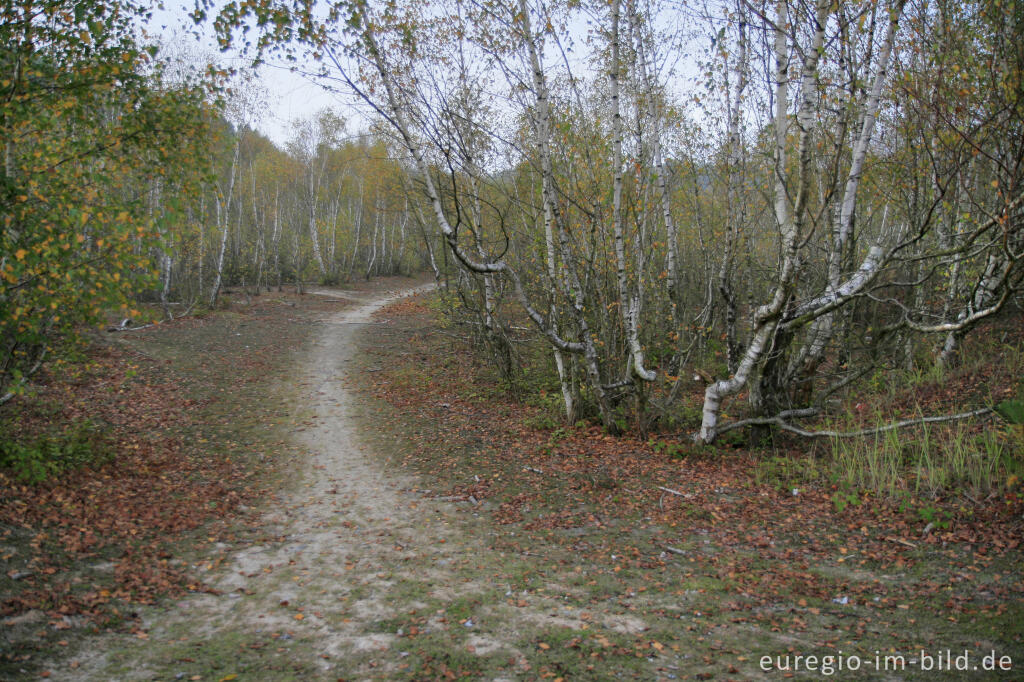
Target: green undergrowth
(40,457)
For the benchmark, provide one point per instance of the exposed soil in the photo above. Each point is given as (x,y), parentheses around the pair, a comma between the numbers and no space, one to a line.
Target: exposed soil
(354,570)
(351,548)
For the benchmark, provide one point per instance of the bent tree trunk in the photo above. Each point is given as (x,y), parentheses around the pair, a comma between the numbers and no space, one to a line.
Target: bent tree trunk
(789,218)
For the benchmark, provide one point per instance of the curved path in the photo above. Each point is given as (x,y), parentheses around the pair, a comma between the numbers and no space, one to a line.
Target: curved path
(354,546)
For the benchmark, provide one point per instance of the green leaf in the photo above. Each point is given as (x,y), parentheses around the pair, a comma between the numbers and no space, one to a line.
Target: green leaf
(1011,410)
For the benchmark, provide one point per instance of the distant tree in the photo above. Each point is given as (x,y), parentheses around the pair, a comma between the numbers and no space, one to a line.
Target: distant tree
(850,188)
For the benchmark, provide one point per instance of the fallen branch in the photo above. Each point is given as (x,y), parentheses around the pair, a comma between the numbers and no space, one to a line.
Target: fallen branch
(675,550)
(780,422)
(901,541)
(129,329)
(674,492)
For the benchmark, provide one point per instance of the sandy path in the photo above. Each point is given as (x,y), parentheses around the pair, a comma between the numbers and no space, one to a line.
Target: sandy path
(355,544)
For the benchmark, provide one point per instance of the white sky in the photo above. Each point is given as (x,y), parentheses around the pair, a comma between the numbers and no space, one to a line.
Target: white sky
(289,95)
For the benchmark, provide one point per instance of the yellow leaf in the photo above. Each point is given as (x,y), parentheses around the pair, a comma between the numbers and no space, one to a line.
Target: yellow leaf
(544,646)
(20,254)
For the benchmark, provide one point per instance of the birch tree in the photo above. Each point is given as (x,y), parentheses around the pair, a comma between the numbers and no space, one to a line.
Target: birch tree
(842,185)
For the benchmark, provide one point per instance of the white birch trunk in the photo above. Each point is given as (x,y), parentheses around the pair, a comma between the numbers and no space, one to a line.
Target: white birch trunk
(276,240)
(373,255)
(223,206)
(735,205)
(823,329)
(789,218)
(629,301)
(314,230)
(358,228)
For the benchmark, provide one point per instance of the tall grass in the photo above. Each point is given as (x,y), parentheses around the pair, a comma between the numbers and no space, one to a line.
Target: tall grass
(872,463)
(928,462)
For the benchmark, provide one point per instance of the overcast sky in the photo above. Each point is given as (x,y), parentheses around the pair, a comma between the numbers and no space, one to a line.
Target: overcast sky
(289,95)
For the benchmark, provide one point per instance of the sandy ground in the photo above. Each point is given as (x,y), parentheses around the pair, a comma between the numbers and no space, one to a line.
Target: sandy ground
(355,551)
(364,575)
(353,537)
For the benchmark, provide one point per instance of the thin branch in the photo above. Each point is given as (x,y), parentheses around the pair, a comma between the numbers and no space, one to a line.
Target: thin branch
(780,421)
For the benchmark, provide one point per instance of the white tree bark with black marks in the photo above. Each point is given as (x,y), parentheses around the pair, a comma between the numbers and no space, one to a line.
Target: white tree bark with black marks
(789,218)
(630,296)
(222,203)
(823,328)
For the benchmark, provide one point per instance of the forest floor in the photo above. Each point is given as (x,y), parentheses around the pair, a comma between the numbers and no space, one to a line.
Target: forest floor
(348,495)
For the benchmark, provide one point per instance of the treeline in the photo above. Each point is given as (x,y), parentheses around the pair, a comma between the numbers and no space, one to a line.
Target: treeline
(836,195)
(328,208)
(129,177)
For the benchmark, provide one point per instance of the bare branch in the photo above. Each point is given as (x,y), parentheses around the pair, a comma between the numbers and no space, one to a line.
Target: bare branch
(780,421)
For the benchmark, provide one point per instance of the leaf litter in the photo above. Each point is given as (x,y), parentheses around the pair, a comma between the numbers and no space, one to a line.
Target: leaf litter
(426,531)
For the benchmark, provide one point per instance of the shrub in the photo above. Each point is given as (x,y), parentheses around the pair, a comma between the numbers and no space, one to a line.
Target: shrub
(44,457)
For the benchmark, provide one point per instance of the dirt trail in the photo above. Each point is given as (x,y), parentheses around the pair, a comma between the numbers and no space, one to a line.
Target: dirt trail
(355,543)
(362,575)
